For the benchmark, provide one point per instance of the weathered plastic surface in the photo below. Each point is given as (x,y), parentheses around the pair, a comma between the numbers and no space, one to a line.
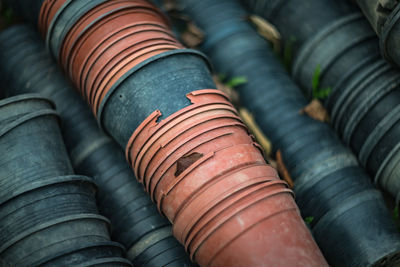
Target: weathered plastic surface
(210,180)
(364,99)
(120,197)
(325,173)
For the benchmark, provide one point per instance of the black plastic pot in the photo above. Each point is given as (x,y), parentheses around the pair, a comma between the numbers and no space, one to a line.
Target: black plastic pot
(365,209)
(167,251)
(33,145)
(54,237)
(159,83)
(86,254)
(384,19)
(313,14)
(364,89)
(44,201)
(325,173)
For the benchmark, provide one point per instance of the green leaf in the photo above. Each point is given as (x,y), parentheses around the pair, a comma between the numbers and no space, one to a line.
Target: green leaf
(317,92)
(236,81)
(316,77)
(322,93)
(309,219)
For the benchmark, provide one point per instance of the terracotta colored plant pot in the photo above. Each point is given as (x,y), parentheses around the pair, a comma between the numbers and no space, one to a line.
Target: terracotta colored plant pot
(219,196)
(104,28)
(154,51)
(47,13)
(114,25)
(202,143)
(98,71)
(112,48)
(214,164)
(94,16)
(213,218)
(150,126)
(161,163)
(290,233)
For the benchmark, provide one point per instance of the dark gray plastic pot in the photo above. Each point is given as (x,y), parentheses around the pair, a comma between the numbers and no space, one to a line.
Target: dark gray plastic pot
(46,201)
(160,82)
(365,209)
(85,254)
(33,144)
(53,237)
(384,19)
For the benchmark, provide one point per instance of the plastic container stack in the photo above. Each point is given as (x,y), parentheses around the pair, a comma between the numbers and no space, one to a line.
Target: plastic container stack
(364,99)
(183,138)
(384,19)
(136,223)
(48,215)
(348,212)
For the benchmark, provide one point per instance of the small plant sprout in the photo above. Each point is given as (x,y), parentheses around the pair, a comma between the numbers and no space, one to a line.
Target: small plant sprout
(236,81)
(309,220)
(317,91)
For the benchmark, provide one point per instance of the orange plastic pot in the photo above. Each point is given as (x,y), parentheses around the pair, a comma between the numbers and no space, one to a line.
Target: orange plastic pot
(229,180)
(129,36)
(224,191)
(159,180)
(106,54)
(47,12)
(218,138)
(209,218)
(103,29)
(150,125)
(176,190)
(117,70)
(96,14)
(201,140)
(108,82)
(185,126)
(282,239)
(115,48)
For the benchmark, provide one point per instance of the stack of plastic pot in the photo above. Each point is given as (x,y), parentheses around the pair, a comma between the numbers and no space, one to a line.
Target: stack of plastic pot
(187,145)
(350,221)
(27,67)
(48,215)
(365,95)
(384,18)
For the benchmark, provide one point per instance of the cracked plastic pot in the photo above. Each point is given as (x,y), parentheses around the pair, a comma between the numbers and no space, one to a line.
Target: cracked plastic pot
(227,187)
(177,72)
(324,172)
